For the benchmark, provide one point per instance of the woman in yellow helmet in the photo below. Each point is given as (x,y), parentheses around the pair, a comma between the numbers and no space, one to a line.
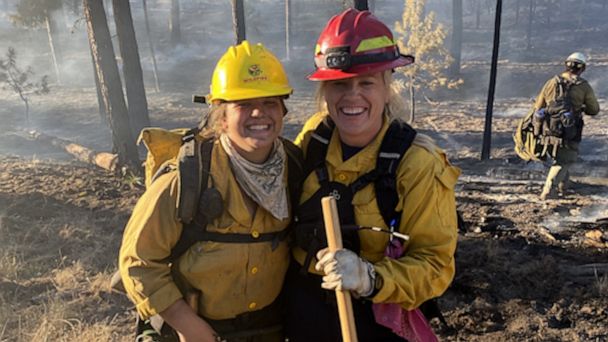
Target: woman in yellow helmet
(394,190)
(237,268)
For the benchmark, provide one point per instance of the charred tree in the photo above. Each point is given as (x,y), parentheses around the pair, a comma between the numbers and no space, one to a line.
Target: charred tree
(51,30)
(109,81)
(456,48)
(531,11)
(38,13)
(134,81)
(238,20)
(361,5)
(581,9)
(103,113)
(487,133)
(477,14)
(288,23)
(151,46)
(174,23)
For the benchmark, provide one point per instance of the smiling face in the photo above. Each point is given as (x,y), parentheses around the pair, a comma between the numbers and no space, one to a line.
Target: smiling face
(253,125)
(356,106)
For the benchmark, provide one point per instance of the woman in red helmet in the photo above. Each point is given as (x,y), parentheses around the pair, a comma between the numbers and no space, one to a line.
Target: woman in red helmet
(383,175)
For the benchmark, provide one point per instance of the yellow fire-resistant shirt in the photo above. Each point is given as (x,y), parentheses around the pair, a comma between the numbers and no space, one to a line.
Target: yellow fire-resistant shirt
(233,278)
(425,183)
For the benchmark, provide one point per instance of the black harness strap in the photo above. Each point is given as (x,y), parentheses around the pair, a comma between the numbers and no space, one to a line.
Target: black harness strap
(396,142)
(198,166)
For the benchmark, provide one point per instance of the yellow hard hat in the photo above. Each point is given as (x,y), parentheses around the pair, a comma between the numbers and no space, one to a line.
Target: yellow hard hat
(248,71)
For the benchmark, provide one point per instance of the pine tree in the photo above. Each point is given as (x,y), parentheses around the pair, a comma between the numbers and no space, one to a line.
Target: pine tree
(19,81)
(419,35)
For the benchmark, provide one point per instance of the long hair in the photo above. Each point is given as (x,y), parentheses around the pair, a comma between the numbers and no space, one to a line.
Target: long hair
(211,126)
(395,108)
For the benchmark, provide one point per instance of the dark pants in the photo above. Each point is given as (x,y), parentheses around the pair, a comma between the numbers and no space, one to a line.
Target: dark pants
(257,326)
(312,313)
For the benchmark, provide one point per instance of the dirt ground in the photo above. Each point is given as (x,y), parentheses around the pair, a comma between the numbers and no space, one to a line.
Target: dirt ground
(526,270)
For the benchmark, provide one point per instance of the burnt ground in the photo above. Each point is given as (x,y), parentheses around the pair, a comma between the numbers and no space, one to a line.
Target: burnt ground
(523,266)
(526,270)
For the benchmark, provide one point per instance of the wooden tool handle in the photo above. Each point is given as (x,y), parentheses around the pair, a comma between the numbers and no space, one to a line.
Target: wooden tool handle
(334,242)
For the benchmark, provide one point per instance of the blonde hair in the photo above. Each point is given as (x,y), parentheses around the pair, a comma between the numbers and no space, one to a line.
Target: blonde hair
(395,108)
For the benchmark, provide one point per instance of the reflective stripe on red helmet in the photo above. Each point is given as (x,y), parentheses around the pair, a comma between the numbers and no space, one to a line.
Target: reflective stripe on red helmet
(355,43)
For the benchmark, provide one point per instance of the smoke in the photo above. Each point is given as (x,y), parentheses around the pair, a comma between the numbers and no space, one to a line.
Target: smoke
(559,222)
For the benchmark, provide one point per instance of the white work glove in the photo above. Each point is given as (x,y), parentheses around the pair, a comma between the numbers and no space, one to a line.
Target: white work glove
(345,270)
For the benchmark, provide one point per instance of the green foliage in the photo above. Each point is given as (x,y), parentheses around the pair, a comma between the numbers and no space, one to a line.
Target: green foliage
(19,81)
(419,35)
(33,13)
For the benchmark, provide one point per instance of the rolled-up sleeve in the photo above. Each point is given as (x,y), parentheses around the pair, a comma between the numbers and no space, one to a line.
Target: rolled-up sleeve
(426,182)
(149,236)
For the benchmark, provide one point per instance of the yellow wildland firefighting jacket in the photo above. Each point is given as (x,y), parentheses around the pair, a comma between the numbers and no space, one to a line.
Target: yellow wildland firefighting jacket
(233,278)
(425,182)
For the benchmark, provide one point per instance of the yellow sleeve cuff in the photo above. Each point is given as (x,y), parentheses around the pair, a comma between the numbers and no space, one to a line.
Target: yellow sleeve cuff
(159,301)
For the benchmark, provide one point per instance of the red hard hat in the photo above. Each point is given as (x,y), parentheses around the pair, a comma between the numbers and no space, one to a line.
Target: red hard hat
(355,43)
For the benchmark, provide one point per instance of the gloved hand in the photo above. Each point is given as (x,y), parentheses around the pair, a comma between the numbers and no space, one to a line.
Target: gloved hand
(345,270)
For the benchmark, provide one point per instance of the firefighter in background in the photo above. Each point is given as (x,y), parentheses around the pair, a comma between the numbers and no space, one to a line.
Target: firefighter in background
(239,281)
(579,99)
(354,59)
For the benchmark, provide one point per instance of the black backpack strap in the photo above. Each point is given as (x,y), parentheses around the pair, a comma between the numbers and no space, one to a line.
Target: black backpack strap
(295,171)
(316,150)
(194,156)
(395,144)
(190,182)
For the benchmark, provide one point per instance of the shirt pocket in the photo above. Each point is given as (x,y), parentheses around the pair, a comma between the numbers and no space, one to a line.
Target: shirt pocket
(365,206)
(446,201)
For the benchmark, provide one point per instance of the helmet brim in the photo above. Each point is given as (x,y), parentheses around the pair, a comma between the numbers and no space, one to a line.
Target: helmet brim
(250,93)
(359,70)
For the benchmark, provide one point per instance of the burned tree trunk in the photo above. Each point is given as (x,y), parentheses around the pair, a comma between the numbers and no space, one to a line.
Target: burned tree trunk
(104,160)
(111,87)
(478,14)
(134,82)
(487,132)
(151,46)
(55,52)
(238,20)
(361,5)
(456,36)
(288,23)
(103,113)
(529,29)
(174,23)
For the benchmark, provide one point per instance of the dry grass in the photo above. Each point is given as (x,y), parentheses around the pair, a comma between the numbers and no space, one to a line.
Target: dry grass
(601,285)
(55,265)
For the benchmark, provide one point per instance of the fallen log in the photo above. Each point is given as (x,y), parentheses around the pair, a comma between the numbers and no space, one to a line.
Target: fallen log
(105,160)
(588,271)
